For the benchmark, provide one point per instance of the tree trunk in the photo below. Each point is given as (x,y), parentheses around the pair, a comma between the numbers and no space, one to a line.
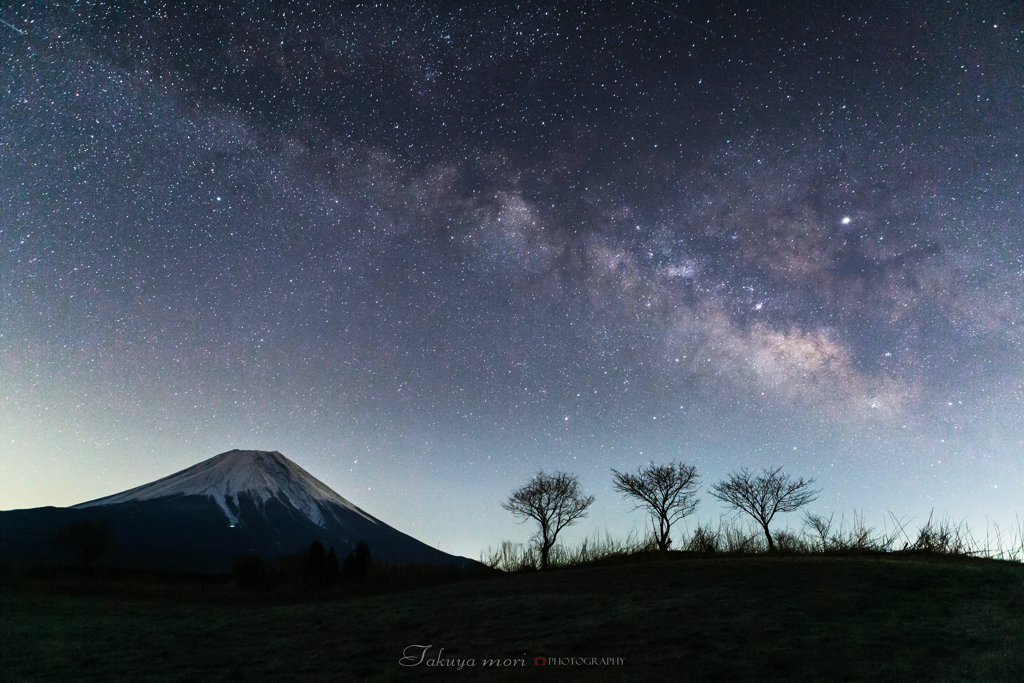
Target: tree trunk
(545,547)
(663,539)
(768,535)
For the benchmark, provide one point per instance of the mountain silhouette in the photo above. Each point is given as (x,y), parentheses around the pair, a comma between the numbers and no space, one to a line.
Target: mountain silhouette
(199,519)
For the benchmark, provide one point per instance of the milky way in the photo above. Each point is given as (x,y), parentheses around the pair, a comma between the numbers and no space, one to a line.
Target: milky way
(426,250)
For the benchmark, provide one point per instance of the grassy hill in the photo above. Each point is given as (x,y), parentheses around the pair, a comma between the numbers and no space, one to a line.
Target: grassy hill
(891,617)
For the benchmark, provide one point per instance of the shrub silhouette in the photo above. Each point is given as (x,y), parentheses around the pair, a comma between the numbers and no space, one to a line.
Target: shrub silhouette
(357,564)
(822,528)
(87,540)
(333,571)
(943,537)
(704,540)
(250,570)
(316,564)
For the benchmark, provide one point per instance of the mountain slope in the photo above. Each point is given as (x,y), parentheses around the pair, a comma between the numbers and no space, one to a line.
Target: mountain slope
(199,519)
(262,475)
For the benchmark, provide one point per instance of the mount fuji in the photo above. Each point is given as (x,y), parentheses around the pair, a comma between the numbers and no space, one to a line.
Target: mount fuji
(199,519)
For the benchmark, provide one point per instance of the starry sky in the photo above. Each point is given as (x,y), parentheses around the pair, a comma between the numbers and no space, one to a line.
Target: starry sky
(426,249)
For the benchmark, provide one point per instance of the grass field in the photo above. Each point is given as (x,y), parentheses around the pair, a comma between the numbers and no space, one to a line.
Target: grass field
(800,618)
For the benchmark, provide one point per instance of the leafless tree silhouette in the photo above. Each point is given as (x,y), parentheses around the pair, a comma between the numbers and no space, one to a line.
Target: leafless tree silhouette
(667,491)
(554,501)
(762,496)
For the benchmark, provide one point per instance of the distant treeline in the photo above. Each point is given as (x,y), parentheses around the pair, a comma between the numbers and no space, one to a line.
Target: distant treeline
(317,569)
(314,567)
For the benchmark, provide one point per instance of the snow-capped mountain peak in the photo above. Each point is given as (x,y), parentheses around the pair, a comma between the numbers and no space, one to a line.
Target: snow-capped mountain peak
(261,475)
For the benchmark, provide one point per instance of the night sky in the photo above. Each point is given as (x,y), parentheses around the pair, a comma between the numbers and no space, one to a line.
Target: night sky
(426,249)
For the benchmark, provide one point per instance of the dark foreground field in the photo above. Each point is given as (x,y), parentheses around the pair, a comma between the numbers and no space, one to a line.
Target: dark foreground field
(723,619)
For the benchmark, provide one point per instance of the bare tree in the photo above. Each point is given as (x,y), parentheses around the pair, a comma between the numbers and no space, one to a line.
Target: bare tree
(554,501)
(667,491)
(762,496)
